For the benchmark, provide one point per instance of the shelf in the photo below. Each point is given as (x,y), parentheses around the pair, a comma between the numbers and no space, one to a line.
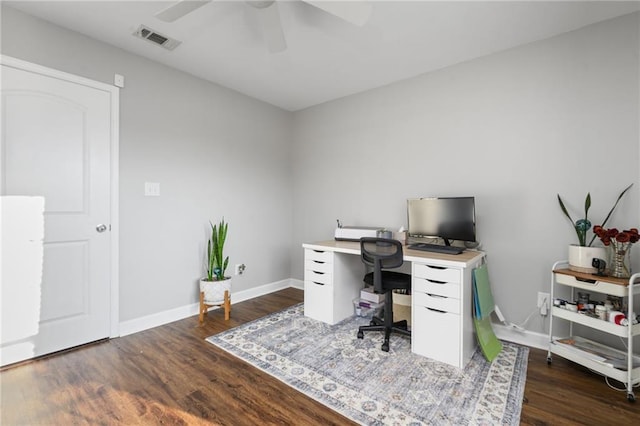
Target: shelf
(598,324)
(596,356)
(602,364)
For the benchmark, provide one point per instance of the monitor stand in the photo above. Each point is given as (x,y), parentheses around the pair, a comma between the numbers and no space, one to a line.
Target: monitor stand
(428,240)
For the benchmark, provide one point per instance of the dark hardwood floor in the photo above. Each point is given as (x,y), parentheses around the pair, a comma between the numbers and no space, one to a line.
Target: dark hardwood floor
(170,375)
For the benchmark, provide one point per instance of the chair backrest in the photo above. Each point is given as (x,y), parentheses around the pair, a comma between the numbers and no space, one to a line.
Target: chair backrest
(380,253)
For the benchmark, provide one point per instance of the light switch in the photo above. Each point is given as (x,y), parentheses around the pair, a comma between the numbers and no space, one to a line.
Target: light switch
(152,189)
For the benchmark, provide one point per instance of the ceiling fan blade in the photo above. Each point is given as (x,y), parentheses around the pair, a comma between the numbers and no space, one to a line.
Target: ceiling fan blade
(269,18)
(355,12)
(180,9)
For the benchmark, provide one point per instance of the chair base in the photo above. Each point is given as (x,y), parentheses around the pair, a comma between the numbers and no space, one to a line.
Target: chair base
(378,324)
(226,304)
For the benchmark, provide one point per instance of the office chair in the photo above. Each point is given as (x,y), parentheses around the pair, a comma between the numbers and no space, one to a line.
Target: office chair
(384,253)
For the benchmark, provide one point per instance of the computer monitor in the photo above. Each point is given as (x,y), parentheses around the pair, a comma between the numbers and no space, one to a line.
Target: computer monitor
(449,218)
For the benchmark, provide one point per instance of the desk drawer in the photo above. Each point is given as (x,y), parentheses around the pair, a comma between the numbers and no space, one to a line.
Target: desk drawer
(437,273)
(446,304)
(423,285)
(318,277)
(317,266)
(597,286)
(319,256)
(318,301)
(436,335)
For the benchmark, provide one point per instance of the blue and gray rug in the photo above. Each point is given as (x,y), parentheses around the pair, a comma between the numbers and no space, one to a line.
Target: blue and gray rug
(355,378)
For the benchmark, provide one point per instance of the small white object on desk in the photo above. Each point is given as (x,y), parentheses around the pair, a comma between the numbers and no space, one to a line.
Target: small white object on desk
(354,233)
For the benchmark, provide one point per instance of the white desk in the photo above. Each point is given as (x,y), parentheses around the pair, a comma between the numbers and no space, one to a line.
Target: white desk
(441,307)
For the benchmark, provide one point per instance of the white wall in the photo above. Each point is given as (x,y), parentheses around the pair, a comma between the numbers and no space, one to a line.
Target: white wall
(214,152)
(512,129)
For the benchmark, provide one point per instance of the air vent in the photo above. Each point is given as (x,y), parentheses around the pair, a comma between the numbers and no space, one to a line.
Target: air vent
(156,38)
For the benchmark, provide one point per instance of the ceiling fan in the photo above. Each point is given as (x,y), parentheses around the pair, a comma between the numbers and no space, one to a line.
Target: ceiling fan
(354,12)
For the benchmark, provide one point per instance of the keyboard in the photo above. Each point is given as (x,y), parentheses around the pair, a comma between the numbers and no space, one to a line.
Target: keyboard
(436,248)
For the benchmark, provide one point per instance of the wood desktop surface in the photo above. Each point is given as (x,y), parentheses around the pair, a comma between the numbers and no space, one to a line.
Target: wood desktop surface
(353,247)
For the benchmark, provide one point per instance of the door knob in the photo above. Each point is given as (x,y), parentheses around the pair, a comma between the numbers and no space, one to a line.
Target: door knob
(101,228)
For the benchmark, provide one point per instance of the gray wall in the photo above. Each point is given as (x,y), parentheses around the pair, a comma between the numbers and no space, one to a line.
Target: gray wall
(214,152)
(512,129)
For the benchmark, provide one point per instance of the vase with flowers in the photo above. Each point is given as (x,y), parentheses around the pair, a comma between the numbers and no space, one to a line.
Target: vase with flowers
(620,244)
(581,255)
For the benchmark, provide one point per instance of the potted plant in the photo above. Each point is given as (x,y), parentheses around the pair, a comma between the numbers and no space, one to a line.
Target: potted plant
(581,255)
(215,288)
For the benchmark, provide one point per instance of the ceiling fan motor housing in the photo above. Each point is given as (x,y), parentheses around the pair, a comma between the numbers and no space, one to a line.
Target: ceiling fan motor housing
(260,4)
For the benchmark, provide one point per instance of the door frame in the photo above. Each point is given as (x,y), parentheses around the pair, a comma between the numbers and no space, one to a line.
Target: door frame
(114,93)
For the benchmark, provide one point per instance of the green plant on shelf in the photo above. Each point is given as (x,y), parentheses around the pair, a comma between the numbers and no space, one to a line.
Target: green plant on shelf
(583,225)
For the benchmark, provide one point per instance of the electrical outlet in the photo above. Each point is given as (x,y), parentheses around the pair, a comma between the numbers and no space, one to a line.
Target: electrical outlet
(543,302)
(240,267)
(152,189)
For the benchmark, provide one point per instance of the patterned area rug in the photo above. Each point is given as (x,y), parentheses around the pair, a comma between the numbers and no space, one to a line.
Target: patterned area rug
(355,378)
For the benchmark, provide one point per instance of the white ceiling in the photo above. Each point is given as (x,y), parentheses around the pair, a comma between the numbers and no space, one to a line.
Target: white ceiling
(326,58)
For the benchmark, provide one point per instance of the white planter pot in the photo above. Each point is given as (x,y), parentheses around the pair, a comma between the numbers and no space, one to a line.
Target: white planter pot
(580,258)
(214,290)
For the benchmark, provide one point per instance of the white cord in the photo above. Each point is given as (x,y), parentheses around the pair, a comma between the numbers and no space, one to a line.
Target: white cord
(606,379)
(526,319)
(510,324)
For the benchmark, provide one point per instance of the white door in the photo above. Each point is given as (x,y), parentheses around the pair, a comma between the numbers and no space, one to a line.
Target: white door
(56,161)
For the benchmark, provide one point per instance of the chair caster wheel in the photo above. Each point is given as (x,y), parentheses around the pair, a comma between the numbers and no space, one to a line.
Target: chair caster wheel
(385,346)
(549,360)
(631,397)
(360,335)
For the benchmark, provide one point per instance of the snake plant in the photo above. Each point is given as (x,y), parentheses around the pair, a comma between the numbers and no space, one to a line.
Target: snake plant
(216,266)
(583,225)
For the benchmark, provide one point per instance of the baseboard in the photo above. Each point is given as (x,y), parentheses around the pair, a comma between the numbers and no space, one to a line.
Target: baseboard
(171,315)
(521,337)
(503,332)
(299,284)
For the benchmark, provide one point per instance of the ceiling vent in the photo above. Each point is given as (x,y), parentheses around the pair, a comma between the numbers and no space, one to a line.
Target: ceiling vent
(156,38)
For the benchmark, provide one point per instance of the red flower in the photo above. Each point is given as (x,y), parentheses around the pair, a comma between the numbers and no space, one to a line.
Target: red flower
(623,237)
(612,232)
(599,231)
(606,235)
